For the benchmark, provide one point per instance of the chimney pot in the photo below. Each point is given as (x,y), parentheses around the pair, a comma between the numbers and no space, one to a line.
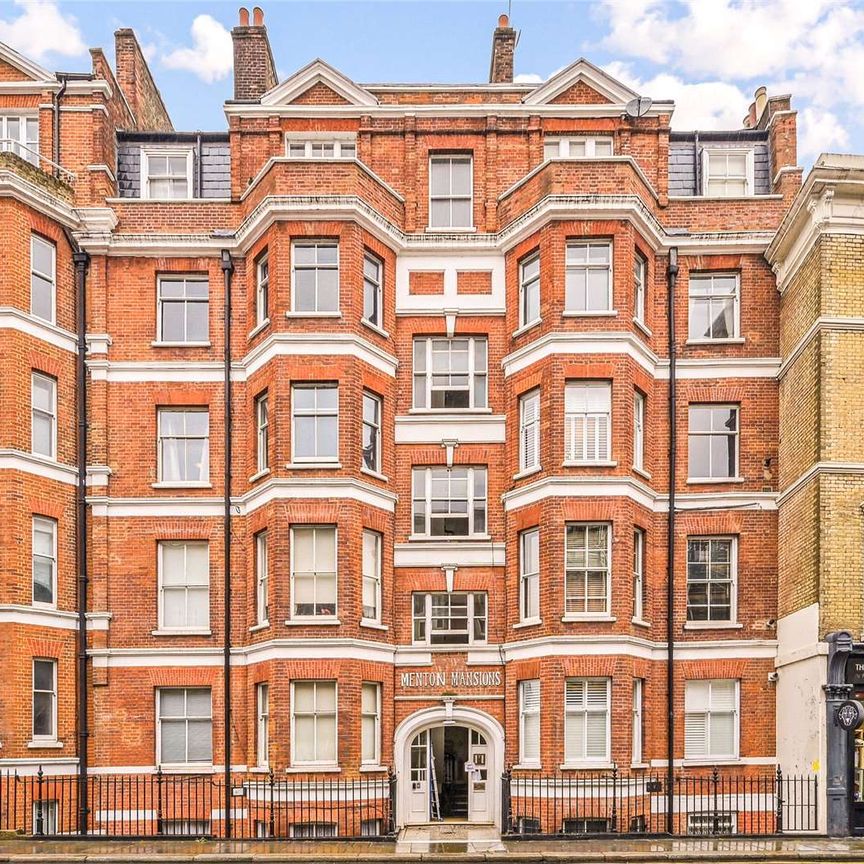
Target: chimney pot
(503,20)
(258,16)
(244,16)
(254,69)
(760,100)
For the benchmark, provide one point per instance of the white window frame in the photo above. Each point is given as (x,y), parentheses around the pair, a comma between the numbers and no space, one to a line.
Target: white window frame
(717,297)
(639,404)
(710,152)
(375,758)
(46,524)
(342,145)
(262,288)
(147,153)
(160,555)
(424,379)
(707,756)
(472,473)
(262,579)
(452,158)
(529,706)
(527,286)
(733,580)
(185,301)
(262,724)
(317,267)
(584,758)
(529,580)
(201,481)
(316,413)
(427,617)
(375,285)
(186,717)
(52,736)
(529,430)
(50,277)
(23,145)
(579,451)
(711,477)
(373,578)
(589,266)
(638,574)
(316,528)
(50,415)
(376,427)
(640,278)
(564,146)
(637,755)
(262,431)
(316,762)
(585,614)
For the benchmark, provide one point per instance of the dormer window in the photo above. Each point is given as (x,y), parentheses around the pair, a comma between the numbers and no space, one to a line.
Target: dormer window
(577,148)
(166,173)
(313,146)
(727,172)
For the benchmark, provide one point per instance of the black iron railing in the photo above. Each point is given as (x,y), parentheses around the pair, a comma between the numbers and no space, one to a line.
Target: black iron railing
(617,803)
(183,805)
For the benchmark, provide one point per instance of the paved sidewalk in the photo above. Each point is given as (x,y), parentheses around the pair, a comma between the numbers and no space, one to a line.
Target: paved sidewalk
(623,851)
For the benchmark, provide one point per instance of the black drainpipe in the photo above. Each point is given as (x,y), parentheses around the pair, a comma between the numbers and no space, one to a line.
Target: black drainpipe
(57,96)
(199,171)
(671,277)
(227,271)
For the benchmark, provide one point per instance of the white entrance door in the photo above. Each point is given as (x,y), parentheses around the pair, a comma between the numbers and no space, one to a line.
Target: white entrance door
(479,794)
(418,780)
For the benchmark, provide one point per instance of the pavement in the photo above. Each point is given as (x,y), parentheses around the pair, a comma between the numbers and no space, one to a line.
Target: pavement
(439,849)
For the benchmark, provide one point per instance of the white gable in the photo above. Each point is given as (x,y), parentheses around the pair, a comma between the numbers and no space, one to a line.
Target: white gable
(586,72)
(26,66)
(317,72)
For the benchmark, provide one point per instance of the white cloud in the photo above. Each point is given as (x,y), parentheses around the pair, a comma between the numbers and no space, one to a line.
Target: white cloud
(41,29)
(528,78)
(211,56)
(820,132)
(700,105)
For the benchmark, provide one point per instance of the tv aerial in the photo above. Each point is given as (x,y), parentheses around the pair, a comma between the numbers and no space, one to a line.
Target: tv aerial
(638,107)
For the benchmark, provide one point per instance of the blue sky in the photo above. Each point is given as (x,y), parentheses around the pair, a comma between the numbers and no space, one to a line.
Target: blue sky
(708,55)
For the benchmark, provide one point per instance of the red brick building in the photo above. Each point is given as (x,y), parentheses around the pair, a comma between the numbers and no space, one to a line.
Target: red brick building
(452,372)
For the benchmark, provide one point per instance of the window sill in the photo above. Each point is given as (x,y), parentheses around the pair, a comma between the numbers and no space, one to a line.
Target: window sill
(643,327)
(259,474)
(191,631)
(262,626)
(188,769)
(312,622)
(258,328)
(259,769)
(44,745)
(713,625)
(450,538)
(709,762)
(737,340)
(635,765)
(593,313)
(317,768)
(640,622)
(375,328)
(527,766)
(694,480)
(454,229)
(642,472)
(591,766)
(526,327)
(579,619)
(373,625)
(372,769)
(295,314)
(164,484)
(579,463)
(527,472)
(528,622)
(311,466)
(376,474)
(431,412)
(157,344)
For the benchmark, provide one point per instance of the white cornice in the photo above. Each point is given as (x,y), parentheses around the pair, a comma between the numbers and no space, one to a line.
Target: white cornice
(28,463)
(816,470)
(13,185)
(823,324)
(57,619)
(16,319)
(455,553)
(29,67)
(586,72)
(426,428)
(318,71)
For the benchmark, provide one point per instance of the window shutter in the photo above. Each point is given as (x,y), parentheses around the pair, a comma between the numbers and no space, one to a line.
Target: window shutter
(530,720)
(596,725)
(695,735)
(530,430)
(602,431)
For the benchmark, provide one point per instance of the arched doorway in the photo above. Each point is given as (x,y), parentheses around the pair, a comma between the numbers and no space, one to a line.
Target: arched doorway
(449,766)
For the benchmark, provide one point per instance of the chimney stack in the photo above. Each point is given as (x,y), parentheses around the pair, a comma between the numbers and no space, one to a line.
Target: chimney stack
(254,69)
(503,49)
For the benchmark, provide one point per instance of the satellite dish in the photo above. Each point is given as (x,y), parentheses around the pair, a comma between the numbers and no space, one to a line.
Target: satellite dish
(639,106)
